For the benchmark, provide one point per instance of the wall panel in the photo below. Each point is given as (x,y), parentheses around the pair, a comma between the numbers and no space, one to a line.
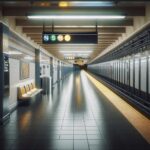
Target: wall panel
(143,74)
(131,72)
(137,73)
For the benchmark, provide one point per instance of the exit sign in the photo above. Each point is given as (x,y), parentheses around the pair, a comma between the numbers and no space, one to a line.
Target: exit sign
(69,38)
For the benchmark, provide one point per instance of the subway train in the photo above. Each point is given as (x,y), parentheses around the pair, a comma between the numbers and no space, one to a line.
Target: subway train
(128,72)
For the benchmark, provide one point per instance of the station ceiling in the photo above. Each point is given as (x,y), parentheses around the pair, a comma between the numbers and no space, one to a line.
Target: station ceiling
(108,30)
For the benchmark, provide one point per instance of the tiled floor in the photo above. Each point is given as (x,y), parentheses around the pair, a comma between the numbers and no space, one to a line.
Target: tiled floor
(76,116)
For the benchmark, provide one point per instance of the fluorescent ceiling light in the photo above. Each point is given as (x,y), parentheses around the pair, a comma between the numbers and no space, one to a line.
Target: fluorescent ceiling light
(72,44)
(28,58)
(76,17)
(90,4)
(44,61)
(69,57)
(77,26)
(13,53)
(85,4)
(78,52)
(82,54)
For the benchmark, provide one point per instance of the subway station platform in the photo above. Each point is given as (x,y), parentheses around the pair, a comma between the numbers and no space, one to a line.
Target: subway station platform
(77,115)
(74,75)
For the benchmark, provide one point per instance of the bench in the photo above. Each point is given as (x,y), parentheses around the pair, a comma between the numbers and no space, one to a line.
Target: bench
(26,92)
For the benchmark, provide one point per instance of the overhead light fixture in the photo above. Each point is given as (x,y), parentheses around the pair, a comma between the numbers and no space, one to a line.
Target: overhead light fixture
(41,4)
(63,4)
(85,4)
(76,17)
(70,58)
(13,53)
(90,4)
(78,52)
(82,54)
(28,58)
(80,26)
(43,60)
(77,55)
(78,44)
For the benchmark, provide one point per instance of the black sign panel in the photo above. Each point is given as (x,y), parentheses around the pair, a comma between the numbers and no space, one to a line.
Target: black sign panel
(70,38)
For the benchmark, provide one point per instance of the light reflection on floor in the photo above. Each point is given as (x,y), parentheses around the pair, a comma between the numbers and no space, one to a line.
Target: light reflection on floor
(75,116)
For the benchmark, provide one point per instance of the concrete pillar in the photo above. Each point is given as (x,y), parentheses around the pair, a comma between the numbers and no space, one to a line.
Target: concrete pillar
(58,70)
(51,70)
(138,22)
(37,68)
(147,17)
(4,74)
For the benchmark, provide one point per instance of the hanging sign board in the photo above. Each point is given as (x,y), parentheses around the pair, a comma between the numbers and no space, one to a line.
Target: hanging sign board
(69,38)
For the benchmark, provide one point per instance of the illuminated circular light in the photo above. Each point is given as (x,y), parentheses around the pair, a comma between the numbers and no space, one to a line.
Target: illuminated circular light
(45,4)
(63,4)
(60,38)
(53,37)
(46,38)
(67,37)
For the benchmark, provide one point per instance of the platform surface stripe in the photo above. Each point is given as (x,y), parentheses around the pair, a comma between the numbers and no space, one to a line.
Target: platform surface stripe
(138,120)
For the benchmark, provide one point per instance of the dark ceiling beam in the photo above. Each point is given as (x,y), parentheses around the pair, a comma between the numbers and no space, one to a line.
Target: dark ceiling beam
(100,38)
(120,10)
(99,42)
(71,45)
(54,46)
(101,30)
(110,35)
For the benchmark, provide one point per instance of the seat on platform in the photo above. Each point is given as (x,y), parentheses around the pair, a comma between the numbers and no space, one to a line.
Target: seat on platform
(26,92)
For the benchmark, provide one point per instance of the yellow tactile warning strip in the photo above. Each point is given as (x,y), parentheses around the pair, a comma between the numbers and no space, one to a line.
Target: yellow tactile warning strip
(139,121)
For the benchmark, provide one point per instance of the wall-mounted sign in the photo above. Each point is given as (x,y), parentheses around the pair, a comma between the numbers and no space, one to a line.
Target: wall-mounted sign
(70,38)
(24,70)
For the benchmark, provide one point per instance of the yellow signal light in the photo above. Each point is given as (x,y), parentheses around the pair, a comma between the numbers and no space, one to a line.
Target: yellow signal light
(67,37)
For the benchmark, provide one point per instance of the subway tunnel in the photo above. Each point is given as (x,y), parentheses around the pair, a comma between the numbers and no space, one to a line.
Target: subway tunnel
(74,75)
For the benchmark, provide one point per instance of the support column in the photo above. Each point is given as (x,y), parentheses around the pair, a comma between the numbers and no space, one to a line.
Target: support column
(58,70)
(37,68)
(4,74)
(60,73)
(51,70)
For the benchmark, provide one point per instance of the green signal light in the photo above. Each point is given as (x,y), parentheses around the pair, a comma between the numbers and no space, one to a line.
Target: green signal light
(53,37)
